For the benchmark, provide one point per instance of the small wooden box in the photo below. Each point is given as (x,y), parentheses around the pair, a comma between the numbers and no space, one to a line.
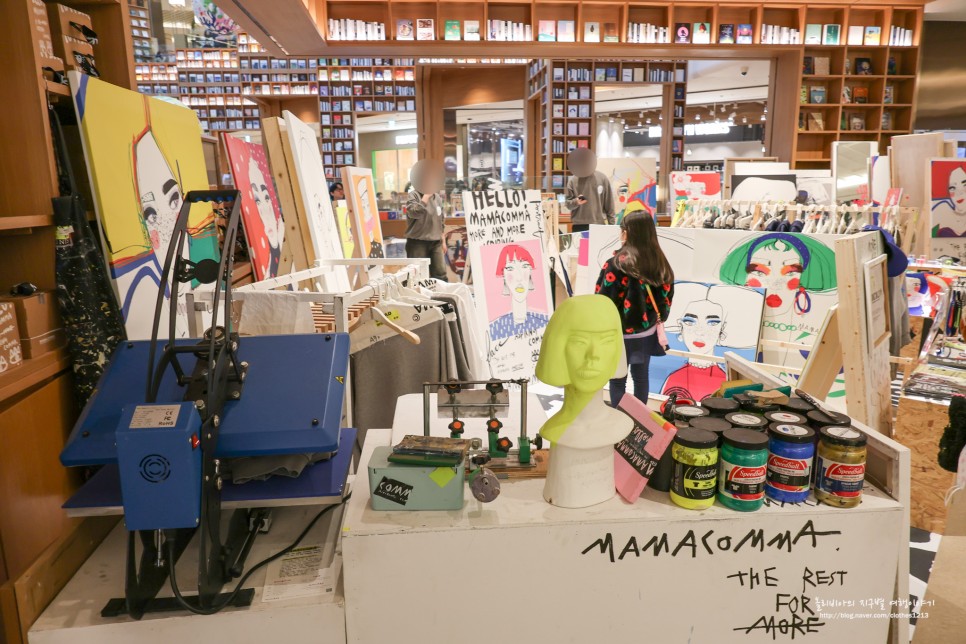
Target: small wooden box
(11,356)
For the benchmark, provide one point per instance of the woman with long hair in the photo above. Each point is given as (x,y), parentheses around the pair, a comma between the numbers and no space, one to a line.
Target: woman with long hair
(640,282)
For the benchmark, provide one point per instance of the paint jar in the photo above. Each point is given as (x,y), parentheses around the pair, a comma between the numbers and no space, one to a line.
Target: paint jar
(686,413)
(694,454)
(744,420)
(819,419)
(791,451)
(840,466)
(741,475)
(797,406)
(720,407)
(716,426)
(787,417)
(758,407)
(661,477)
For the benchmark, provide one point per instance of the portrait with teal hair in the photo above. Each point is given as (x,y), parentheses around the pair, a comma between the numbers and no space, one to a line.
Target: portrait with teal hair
(797,273)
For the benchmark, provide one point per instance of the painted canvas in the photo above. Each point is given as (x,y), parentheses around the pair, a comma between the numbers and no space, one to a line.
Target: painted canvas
(319,216)
(946,182)
(604,241)
(706,320)
(143,155)
(696,185)
(343,219)
(815,187)
(456,254)
(510,276)
(361,198)
(634,184)
(778,187)
(880,172)
(261,215)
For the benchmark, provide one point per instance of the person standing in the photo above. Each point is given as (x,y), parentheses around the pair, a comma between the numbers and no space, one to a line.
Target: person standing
(424,221)
(640,282)
(589,195)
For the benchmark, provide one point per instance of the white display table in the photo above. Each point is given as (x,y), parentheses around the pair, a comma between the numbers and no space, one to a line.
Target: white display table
(74,615)
(521,570)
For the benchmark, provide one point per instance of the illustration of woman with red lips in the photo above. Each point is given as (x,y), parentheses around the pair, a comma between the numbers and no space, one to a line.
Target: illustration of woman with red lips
(790,268)
(949,199)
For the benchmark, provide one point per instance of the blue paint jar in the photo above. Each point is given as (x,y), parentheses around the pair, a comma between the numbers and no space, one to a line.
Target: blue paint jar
(791,451)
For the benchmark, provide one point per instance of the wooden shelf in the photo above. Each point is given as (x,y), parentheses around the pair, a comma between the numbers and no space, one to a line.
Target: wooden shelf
(31,372)
(20,223)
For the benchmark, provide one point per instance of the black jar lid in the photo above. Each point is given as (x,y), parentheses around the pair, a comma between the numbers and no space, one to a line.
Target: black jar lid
(720,406)
(844,436)
(798,406)
(710,424)
(746,439)
(782,416)
(757,406)
(822,419)
(746,420)
(687,412)
(696,438)
(791,433)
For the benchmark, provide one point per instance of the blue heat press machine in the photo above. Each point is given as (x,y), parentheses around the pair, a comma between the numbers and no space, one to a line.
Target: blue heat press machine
(164,419)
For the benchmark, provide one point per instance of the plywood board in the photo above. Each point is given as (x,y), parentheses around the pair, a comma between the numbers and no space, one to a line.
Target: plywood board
(909,155)
(824,362)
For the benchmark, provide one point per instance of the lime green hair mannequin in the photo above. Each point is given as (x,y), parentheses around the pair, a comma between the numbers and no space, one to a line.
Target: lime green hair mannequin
(582,349)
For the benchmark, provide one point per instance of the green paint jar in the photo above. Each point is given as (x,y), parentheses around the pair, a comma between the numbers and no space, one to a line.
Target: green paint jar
(694,457)
(744,467)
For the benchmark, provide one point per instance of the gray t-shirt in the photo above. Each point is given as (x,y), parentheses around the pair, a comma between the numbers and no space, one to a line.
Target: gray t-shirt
(423,220)
(596,189)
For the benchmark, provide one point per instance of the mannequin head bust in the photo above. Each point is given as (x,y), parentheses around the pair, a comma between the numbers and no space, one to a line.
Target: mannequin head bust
(582,162)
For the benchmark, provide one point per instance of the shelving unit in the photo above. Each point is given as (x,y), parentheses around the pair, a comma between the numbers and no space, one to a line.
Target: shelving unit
(868,89)
(140,19)
(567,117)
(157,78)
(210,84)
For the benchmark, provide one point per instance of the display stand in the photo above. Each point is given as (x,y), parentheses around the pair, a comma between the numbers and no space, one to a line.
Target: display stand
(74,615)
(648,571)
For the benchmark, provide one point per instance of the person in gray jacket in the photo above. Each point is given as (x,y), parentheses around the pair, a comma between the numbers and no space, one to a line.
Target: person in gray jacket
(589,195)
(424,220)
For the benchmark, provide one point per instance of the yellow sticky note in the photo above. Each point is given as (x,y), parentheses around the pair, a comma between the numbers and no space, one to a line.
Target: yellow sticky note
(442,475)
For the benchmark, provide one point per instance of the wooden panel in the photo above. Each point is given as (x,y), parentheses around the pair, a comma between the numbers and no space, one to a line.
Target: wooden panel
(33,485)
(113,53)
(32,372)
(9,621)
(275,139)
(287,22)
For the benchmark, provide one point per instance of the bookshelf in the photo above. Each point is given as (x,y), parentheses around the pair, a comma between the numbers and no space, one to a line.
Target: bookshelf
(863,91)
(565,89)
(140,20)
(157,78)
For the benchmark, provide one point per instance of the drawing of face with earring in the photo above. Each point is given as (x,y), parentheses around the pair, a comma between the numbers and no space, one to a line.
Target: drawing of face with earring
(517,269)
(702,326)
(158,191)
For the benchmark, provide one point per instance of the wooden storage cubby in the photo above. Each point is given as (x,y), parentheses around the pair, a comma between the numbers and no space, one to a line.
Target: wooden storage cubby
(461,11)
(877,55)
(653,14)
(602,13)
(871,17)
(791,16)
(738,15)
(512,11)
(410,11)
(690,14)
(906,61)
(836,58)
(908,19)
(555,11)
(365,11)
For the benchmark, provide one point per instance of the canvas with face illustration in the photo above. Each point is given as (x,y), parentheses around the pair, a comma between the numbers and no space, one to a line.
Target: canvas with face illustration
(946,182)
(776,187)
(261,216)
(634,183)
(510,274)
(361,199)
(456,254)
(143,155)
(706,320)
(695,185)
(315,202)
(604,241)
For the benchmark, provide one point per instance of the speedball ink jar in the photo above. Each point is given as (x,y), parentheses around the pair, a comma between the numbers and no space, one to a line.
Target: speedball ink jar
(746,420)
(685,413)
(759,407)
(717,426)
(797,406)
(786,417)
(694,458)
(840,466)
(791,450)
(720,407)
(741,474)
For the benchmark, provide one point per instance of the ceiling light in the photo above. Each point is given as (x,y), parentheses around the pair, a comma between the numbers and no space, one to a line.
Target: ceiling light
(765,110)
(697,117)
(611,119)
(689,151)
(763,149)
(648,121)
(744,120)
(641,115)
(762,117)
(639,124)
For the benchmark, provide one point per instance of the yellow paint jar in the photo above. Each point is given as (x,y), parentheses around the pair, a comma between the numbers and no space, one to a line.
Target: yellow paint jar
(694,474)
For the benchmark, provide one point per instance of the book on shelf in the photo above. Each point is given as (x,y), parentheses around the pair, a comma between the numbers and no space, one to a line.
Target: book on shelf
(611,75)
(572,93)
(813,34)
(860,94)
(405,30)
(471,30)
(745,34)
(816,94)
(803,95)
(566,31)
(846,94)
(857,122)
(888,94)
(591,32)
(627,75)
(891,68)
(571,111)
(822,65)
(887,123)
(900,37)
(610,32)
(682,33)
(558,110)
(863,66)
(451,30)
(572,129)
(701,33)
(676,145)
(425,29)
(583,128)
(583,143)
(830,34)
(583,111)
(558,163)
(546,31)
(585,92)
(855,35)
(726,34)
(558,181)
(558,128)
(558,74)
(801,121)
(678,93)
(873,36)
(808,66)
(638,74)
(815,122)
(600,74)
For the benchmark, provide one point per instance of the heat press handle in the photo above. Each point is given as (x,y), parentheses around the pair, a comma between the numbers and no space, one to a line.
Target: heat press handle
(208,196)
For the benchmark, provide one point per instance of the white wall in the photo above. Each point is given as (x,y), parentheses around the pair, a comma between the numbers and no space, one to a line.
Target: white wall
(610,139)
(706,152)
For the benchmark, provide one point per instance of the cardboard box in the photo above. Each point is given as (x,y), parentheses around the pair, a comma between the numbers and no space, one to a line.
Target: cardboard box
(39,323)
(11,355)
